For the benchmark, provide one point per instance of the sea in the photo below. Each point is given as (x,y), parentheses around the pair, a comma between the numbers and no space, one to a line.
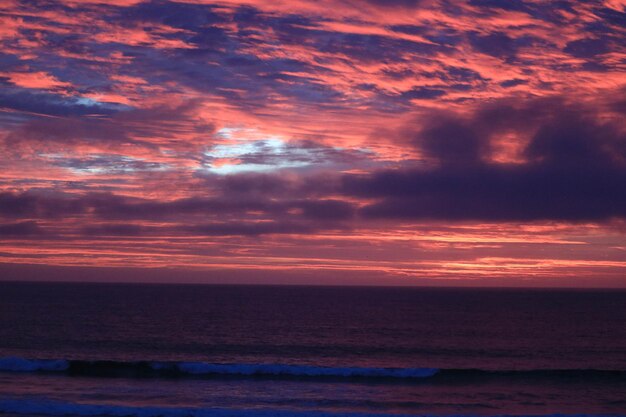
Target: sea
(141,350)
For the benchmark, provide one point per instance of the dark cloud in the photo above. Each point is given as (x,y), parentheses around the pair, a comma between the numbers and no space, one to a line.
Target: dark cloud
(451,141)
(587,48)
(537,10)
(513,82)
(104,214)
(54,132)
(138,127)
(440,35)
(53,104)
(371,48)
(14,205)
(460,74)
(503,46)
(250,229)
(213,39)
(575,170)
(116,207)
(496,44)
(612,16)
(252,184)
(327,209)
(274,185)
(517,5)
(490,193)
(410,29)
(231,228)
(20,230)
(178,15)
(391,3)
(48,205)
(577,141)
(116,229)
(595,67)
(423,93)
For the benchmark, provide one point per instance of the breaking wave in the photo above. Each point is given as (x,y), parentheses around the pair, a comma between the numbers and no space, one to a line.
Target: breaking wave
(155,369)
(181,369)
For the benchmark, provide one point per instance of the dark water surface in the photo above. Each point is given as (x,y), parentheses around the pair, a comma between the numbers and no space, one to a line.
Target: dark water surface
(151,350)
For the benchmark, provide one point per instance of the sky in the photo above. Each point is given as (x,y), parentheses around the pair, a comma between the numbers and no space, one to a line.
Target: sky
(387,142)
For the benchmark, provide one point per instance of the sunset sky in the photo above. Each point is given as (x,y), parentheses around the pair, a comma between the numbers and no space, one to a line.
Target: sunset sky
(425,142)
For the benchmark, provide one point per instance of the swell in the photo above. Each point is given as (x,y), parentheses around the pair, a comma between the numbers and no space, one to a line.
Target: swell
(156,369)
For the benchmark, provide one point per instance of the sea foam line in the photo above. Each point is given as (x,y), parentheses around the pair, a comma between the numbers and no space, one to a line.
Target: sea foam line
(55,408)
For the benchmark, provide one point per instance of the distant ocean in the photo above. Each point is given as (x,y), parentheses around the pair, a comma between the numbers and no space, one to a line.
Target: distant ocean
(253,351)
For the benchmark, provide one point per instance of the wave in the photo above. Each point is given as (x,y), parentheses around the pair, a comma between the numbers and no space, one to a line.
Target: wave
(12,364)
(57,408)
(155,369)
(199,369)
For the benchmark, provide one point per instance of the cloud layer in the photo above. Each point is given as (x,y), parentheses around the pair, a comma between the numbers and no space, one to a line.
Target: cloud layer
(418,139)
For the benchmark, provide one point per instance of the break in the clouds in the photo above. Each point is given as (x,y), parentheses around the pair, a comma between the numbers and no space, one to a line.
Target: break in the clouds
(404,140)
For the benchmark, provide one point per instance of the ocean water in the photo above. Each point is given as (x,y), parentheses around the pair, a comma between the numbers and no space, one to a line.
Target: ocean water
(226,351)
